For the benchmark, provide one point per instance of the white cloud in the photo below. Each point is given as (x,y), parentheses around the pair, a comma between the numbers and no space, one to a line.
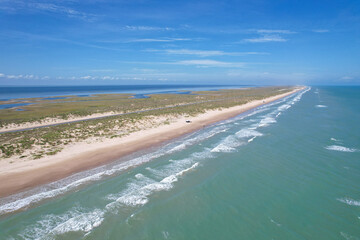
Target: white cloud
(145,70)
(270,77)
(320,30)
(272,31)
(346,78)
(159,39)
(102,70)
(20,76)
(266,38)
(36,6)
(107,78)
(269,35)
(204,53)
(147,28)
(30,76)
(195,52)
(210,63)
(13,76)
(36,37)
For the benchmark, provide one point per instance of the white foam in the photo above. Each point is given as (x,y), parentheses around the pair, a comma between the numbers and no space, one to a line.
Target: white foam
(321,106)
(165,234)
(139,188)
(276,223)
(222,148)
(248,132)
(179,165)
(340,148)
(138,195)
(348,236)
(335,140)
(21,203)
(75,220)
(24,202)
(284,107)
(200,137)
(350,201)
(229,144)
(232,142)
(139,176)
(299,95)
(266,121)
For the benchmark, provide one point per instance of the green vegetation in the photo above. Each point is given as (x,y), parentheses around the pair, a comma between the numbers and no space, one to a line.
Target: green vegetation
(50,140)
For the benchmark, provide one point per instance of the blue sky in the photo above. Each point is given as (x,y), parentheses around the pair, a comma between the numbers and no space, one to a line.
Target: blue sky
(106,42)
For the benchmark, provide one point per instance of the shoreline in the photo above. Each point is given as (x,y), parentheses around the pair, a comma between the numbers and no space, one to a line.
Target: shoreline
(21,176)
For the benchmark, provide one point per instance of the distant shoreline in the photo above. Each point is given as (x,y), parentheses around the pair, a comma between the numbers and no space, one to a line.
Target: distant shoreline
(20,176)
(25,92)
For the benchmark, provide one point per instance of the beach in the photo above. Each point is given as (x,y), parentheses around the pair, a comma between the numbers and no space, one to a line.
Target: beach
(22,175)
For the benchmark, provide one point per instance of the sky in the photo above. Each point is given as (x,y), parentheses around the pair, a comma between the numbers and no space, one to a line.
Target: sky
(108,42)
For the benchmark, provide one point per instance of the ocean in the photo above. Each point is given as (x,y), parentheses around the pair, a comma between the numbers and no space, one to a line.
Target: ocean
(286,170)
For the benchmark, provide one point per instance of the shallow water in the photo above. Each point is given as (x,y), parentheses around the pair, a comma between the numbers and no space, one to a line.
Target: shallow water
(12,105)
(288,170)
(7,93)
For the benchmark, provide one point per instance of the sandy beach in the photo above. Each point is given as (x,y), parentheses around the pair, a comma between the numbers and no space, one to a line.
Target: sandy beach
(22,175)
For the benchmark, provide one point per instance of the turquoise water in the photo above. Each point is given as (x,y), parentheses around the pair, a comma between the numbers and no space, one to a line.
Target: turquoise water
(288,170)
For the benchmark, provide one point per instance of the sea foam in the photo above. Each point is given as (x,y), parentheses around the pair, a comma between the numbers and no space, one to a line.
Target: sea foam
(340,148)
(74,220)
(137,194)
(141,187)
(229,144)
(246,132)
(350,201)
(266,121)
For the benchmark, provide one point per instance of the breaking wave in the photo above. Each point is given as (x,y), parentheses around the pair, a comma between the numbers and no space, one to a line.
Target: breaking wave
(140,188)
(243,133)
(137,192)
(230,143)
(74,220)
(335,140)
(340,148)
(350,201)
